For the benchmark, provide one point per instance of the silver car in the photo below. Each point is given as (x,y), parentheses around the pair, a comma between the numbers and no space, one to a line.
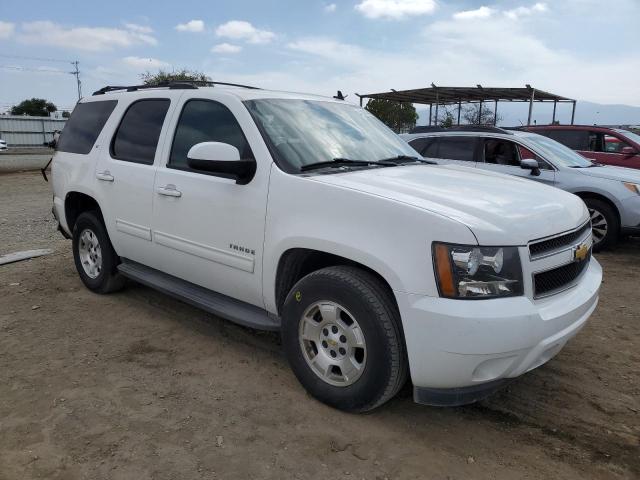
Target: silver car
(612,194)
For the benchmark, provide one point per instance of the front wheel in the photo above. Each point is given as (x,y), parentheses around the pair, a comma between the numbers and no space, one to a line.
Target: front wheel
(341,334)
(604,223)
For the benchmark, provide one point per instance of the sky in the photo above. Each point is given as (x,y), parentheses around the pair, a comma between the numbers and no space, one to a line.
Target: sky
(583,49)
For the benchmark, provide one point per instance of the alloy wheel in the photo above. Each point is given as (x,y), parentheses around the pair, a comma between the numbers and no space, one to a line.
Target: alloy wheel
(333,344)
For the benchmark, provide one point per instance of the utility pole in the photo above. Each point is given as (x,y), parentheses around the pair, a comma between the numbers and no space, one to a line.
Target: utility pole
(76,72)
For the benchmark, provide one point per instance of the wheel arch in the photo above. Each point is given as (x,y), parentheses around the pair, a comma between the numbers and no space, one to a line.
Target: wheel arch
(603,198)
(76,203)
(295,263)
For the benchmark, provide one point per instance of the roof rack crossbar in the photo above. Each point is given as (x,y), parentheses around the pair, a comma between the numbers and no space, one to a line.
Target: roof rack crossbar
(173,85)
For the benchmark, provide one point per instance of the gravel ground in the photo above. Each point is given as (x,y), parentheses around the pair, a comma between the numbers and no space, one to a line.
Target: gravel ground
(137,385)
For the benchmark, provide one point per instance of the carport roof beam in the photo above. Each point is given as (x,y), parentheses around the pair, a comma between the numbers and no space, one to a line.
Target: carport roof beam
(454,95)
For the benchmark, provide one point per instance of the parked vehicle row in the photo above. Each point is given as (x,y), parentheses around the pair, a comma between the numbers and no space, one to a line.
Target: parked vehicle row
(611,194)
(307,215)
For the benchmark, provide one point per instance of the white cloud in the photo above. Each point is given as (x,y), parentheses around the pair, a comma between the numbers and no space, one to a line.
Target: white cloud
(134,27)
(330,8)
(240,30)
(191,26)
(226,48)
(92,39)
(482,12)
(6,29)
(395,9)
(516,13)
(145,63)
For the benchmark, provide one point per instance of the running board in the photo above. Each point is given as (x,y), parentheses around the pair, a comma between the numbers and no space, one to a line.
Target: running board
(226,307)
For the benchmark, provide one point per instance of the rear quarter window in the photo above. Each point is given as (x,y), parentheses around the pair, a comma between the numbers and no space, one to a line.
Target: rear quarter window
(84,126)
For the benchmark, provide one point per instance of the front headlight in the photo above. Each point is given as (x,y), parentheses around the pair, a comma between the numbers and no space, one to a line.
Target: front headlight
(473,272)
(634,187)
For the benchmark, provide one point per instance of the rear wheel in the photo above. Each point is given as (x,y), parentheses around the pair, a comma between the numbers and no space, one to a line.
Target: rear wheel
(604,223)
(94,256)
(341,334)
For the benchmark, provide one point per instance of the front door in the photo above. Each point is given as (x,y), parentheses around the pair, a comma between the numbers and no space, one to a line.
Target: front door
(125,174)
(607,148)
(206,229)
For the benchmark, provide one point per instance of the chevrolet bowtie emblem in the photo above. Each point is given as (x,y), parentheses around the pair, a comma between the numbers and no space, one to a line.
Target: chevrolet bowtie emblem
(581,251)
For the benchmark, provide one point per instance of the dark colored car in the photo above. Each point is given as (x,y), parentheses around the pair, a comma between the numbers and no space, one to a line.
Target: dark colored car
(609,146)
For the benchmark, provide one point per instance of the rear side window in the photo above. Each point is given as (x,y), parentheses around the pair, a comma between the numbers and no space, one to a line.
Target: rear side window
(457,148)
(137,136)
(84,126)
(574,139)
(206,121)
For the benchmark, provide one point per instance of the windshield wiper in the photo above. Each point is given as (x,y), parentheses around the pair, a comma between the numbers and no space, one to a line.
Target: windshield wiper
(402,159)
(343,162)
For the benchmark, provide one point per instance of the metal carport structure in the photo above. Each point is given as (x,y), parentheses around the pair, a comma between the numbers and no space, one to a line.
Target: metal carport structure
(437,96)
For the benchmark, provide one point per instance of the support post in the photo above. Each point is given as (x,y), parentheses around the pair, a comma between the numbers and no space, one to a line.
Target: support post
(553,120)
(360,101)
(430,109)
(437,104)
(533,97)
(495,114)
(573,112)
(480,114)
(459,109)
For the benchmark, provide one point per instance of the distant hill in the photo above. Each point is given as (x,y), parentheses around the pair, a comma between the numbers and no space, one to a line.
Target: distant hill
(587,113)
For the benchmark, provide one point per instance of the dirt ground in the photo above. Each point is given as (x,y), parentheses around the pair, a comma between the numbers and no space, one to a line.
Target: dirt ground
(137,385)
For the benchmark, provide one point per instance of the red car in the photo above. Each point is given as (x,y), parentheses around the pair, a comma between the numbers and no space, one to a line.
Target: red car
(609,146)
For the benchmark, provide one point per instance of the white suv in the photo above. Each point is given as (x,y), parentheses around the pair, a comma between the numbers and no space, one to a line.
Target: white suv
(306,215)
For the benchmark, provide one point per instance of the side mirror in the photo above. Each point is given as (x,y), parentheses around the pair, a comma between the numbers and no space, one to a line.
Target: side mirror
(530,164)
(221,159)
(628,151)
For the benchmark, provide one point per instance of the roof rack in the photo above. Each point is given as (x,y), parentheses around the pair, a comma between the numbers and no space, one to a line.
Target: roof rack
(173,85)
(460,128)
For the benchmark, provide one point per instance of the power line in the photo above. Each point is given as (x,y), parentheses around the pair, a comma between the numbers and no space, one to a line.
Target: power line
(31,69)
(39,59)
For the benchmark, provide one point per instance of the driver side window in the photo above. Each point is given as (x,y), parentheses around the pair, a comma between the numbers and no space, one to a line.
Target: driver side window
(205,121)
(525,153)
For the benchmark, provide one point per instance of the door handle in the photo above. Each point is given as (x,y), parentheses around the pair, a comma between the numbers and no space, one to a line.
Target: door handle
(169,191)
(104,176)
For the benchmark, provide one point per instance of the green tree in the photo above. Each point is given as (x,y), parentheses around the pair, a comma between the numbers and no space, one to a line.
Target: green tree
(447,120)
(470,114)
(400,117)
(34,107)
(66,114)
(183,75)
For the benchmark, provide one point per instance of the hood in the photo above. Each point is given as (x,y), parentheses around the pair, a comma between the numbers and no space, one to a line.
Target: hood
(610,172)
(499,209)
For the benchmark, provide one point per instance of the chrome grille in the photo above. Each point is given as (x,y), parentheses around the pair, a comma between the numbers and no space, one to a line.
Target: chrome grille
(558,279)
(541,248)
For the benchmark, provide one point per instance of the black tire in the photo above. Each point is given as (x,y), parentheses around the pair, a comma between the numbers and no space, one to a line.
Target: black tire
(371,304)
(599,208)
(108,279)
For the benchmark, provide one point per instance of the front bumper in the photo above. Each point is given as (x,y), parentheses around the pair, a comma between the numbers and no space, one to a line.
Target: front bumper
(465,344)
(630,215)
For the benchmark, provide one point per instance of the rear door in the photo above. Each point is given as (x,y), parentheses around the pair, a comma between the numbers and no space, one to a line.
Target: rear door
(504,156)
(126,170)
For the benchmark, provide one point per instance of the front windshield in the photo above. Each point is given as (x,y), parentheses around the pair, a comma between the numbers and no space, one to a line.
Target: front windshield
(557,153)
(630,135)
(305,132)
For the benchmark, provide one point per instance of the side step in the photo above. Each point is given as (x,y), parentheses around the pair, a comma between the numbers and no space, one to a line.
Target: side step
(226,307)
